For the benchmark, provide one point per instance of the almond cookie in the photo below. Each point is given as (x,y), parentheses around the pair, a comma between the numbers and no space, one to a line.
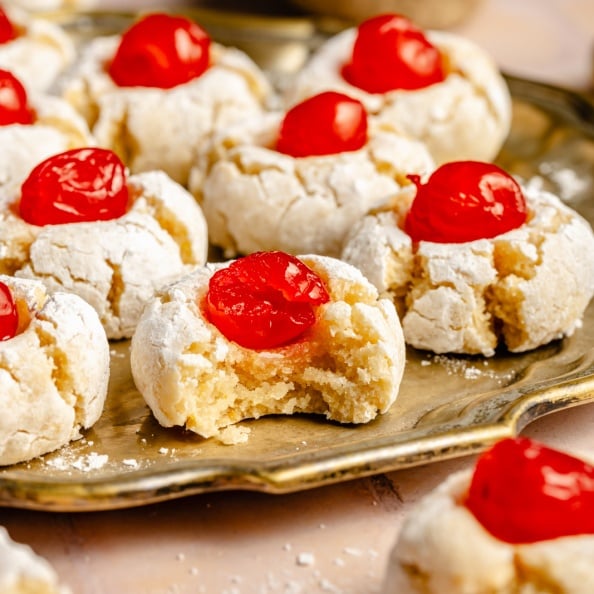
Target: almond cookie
(22,571)
(459,105)
(157,234)
(256,197)
(521,288)
(444,547)
(36,50)
(54,369)
(311,336)
(161,120)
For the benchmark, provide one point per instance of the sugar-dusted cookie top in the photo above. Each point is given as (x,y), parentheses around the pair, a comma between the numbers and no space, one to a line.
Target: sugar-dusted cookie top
(521,287)
(435,86)
(98,232)
(539,535)
(160,119)
(341,353)
(279,183)
(54,369)
(36,50)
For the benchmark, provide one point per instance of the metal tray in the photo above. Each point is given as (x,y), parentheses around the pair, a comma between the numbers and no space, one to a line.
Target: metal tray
(448,405)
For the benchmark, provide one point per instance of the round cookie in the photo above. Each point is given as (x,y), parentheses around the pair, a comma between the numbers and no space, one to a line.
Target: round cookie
(39,54)
(471,297)
(53,373)
(163,128)
(256,198)
(22,571)
(465,116)
(347,367)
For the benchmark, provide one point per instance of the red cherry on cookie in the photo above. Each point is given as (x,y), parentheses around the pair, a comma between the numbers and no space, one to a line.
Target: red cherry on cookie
(325,124)
(463,201)
(264,300)
(8,31)
(524,492)
(9,319)
(161,51)
(14,106)
(391,53)
(86,184)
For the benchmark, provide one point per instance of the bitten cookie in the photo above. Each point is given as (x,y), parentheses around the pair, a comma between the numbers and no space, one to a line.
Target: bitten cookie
(347,365)
(444,548)
(54,370)
(157,234)
(161,121)
(256,197)
(22,571)
(521,288)
(445,90)
(36,50)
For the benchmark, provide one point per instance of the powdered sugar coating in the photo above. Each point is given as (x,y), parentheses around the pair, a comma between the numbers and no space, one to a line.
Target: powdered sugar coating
(255,198)
(348,367)
(524,288)
(41,52)
(467,116)
(53,373)
(115,265)
(152,128)
(443,549)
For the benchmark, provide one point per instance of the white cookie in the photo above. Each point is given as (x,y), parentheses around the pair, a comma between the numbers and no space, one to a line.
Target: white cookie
(22,571)
(57,128)
(525,288)
(348,369)
(466,116)
(153,128)
(41,52)
(443,549)
(53,373)
(256,198)
(115,265)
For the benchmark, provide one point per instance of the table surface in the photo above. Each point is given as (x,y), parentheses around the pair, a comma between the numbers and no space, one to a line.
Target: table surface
(334,539)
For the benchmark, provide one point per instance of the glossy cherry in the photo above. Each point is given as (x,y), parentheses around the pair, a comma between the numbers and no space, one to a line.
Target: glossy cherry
(391,53)
(264,300)
(9,319)
(14,105)
(8,31)
(325,124)
(463,201)
(160,50)
(86,184)
(524,492)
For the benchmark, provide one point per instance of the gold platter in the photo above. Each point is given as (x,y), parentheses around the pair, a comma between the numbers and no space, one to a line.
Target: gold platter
(448,405)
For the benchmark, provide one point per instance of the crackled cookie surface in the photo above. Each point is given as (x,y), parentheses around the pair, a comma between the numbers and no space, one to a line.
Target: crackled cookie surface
(347,366)
(22,571)
(114,264)
(522,288)
(443,548)
(163,128)
(38,52)
(53,371)
(257,198)
(467,115)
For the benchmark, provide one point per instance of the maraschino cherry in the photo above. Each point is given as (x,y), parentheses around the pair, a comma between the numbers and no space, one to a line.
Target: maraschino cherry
(464,201)
(391,53)
(85,184)
(8,31)
(524,492)
(265,300)
(9,319)
(160,50)
(325,124)
(14,104)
